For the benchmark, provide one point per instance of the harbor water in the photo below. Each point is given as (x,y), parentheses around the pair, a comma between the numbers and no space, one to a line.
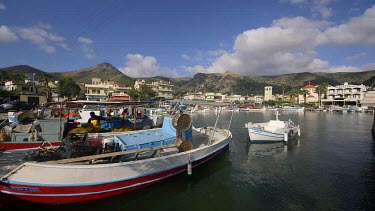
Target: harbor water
(330,167)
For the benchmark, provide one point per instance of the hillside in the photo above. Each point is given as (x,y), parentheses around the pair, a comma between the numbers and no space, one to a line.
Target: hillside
(19,72)
(228,82)
(105,71)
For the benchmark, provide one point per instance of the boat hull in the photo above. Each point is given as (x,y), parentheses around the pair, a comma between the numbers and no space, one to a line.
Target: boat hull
(48,183)
(15,146)
(259,135)
(268,132)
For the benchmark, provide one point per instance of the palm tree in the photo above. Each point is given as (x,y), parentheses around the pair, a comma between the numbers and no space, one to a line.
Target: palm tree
(283,87)
(304,92)
(46,78)
(321,89)
(292,93)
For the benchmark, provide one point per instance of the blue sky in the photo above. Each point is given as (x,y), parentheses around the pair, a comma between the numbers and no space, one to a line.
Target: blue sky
(181,38)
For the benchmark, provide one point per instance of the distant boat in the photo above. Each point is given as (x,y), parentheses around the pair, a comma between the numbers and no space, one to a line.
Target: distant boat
(254,109)
(318,109)
(272,131)
(290,108)
(127,162)
(271,108)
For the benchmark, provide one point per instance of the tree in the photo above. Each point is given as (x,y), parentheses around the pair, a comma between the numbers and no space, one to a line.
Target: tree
(146,93)
(321,89)
(293,93)
(283,87)
(48,90)
(133,93)
(68,88)
(304,92)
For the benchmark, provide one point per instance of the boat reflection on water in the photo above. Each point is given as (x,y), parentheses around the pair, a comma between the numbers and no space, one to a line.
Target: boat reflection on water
(270,149)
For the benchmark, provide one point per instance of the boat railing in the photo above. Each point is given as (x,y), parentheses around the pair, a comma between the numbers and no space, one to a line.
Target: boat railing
(112,154)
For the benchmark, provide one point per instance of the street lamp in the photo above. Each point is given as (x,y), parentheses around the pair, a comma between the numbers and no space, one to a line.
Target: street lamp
(34,83)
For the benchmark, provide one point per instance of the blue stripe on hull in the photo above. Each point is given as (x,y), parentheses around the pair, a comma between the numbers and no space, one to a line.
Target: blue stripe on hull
(267,135)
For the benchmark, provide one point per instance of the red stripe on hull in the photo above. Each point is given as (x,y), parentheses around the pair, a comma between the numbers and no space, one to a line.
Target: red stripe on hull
(24,145)
(99,191)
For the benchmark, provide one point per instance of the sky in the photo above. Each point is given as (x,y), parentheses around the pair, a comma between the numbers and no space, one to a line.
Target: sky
(176,38)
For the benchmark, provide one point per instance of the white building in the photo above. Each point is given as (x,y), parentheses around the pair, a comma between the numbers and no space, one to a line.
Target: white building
(268,93)
(312,97)
(368,99)
(345,94)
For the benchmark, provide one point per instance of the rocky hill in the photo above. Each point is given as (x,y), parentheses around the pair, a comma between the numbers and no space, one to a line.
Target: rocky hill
(228,82)
(105,71)
(19,72)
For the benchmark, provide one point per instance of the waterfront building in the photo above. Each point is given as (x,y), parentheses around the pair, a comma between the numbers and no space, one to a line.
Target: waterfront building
(237,98)
(29,90)
(258,99)
(164,90)
(209,97)
(107,90)
(345,94)
(368,99)
(218,97)
(188,96)
(312,97)
(139,83)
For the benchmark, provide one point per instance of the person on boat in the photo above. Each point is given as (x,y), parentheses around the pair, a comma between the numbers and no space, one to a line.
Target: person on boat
(34,107)
(124,113)
(94,120)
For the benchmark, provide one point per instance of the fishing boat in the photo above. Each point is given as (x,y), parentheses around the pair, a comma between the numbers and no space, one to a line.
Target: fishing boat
(273,131)
(291,108)
(122,163)
(24,131)
(254,109)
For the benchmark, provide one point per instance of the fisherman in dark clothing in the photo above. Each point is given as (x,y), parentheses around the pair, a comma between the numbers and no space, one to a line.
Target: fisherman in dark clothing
(94,120)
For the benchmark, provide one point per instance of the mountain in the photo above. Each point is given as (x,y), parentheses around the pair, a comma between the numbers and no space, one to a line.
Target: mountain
(19,72)
(228,82)
(105,71)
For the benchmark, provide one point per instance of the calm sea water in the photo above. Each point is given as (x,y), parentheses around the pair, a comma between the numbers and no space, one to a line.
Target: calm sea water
(331,166)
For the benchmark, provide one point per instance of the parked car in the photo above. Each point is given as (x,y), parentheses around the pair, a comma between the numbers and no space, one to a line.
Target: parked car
(15,106)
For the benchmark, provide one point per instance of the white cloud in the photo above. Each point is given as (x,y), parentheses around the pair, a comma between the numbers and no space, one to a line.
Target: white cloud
(298,1)
(294,1)
(85,40)
(2,7)
(39,36)
(7,35)
(320,8)
(356,56)
(86,47)
(290,45)
(200,55)
(186,57)
(89,52)
(369,66)
(343,69)
(137,65)
(286,46)
(359,30)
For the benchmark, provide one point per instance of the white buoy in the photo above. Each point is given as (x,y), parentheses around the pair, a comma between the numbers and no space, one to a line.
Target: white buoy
(189,168)
(285,137)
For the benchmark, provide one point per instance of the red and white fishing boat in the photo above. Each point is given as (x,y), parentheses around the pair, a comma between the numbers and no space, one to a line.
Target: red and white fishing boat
(23,131)
(146,157)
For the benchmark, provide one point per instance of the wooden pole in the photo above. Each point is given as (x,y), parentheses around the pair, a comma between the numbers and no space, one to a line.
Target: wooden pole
(135,116)
(373,126)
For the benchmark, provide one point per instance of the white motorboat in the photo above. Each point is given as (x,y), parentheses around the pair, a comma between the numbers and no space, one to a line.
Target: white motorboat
(272,131)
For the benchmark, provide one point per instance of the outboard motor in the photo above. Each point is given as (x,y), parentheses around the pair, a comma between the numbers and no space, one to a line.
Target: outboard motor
(108,145)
